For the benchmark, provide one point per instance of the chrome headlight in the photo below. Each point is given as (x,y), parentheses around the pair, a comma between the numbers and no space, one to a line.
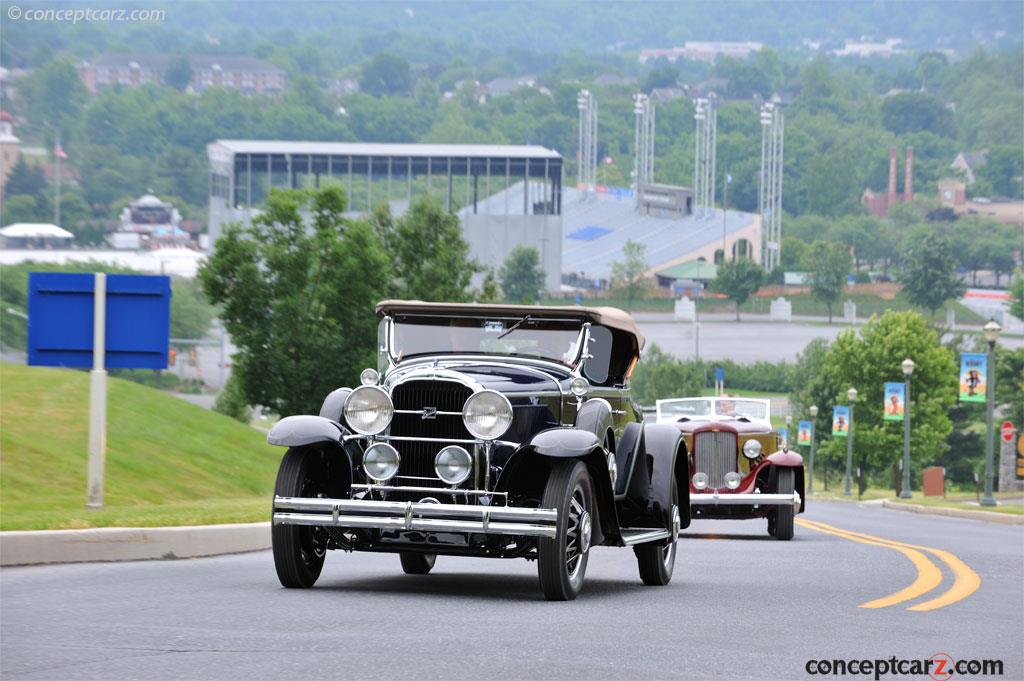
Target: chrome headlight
(700,480)
(487,415)
(751,449)
(453,464)
(733,479)
(368,410)
(369,377)
(380,461)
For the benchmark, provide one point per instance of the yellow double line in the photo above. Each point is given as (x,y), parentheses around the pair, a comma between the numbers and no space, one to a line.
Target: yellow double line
(965,580)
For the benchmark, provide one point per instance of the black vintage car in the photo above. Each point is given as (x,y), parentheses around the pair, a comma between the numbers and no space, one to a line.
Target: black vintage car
(503,431)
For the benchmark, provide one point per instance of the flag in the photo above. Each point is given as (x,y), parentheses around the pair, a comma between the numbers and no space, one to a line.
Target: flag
(58,151)
(894,402)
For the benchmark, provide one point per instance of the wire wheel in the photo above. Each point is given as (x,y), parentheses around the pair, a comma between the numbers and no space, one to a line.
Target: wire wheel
(562,560)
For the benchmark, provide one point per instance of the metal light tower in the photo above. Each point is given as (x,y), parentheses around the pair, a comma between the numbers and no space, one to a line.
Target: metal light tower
(587,174)
(706,118)
(643,109)
(770,189)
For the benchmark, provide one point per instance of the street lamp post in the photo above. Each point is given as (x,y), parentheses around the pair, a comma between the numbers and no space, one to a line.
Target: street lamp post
(814,428)
(908,368)
(991,331)
(851,395)
(789,429)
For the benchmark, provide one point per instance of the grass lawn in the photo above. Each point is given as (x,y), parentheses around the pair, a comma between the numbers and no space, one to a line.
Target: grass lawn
(961,500)
(168,462)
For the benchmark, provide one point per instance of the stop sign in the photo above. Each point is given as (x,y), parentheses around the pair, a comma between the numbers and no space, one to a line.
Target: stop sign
(1007,430)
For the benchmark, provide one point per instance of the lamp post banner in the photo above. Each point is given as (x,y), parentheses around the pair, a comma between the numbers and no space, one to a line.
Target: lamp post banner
(895,401)
(804,432)
(973,370)
(840,421)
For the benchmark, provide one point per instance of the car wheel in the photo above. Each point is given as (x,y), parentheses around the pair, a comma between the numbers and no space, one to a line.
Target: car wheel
(784,514)
(299,551)
(562,561)
(417,563)
(657,561)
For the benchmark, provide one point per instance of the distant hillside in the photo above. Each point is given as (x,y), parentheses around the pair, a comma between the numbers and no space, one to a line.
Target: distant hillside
(168,461)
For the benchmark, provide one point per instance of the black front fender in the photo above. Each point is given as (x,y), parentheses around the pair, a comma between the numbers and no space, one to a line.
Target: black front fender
(664,444)
(298,431)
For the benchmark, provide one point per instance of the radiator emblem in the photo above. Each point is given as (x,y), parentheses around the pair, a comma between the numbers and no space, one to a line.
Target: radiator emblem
(429,413)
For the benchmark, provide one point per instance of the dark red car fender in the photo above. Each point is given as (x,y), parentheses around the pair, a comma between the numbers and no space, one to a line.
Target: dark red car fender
(785,458)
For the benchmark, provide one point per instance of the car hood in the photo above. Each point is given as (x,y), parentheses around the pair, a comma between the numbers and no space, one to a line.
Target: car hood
(752,427)
(507,376)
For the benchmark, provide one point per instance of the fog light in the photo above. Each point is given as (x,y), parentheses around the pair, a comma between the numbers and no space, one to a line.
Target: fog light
(453,464)
(700,480)
(369,377)
(732,480)
(380,462)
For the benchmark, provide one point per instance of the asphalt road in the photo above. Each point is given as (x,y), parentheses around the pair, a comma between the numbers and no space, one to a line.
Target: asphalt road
(741,606)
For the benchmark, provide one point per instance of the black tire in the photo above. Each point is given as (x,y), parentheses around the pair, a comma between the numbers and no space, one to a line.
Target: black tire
(417,563)
(658,561)
(562,561)
(784,514)
(299,551)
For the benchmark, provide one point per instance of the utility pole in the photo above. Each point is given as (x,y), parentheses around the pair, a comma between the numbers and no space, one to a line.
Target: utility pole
(770,186)
(908,368)
(57,153)
(991,331)
(851,395)
(587,171)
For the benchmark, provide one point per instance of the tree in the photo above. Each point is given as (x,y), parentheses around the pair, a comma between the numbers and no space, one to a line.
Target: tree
(1017,295)
(738,279)
(191,314)
(1004,166)
(490,291)
(178,73)
(867,359)
(25,179)
(828,264)
(55,94)
(915,111)
(297,297)
(629,276)
(929,274)
(522,278)
(660,76)
(430,257)
(386,74)
(658,375)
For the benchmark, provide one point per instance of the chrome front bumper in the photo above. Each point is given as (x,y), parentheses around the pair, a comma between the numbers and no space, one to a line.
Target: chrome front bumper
(720,499)
(415,516)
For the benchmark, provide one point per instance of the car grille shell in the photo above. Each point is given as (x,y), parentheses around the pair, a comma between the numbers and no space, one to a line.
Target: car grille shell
(715,455)
(418,457)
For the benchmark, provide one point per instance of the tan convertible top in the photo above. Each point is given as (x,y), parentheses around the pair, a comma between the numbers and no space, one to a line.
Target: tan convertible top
(611,317)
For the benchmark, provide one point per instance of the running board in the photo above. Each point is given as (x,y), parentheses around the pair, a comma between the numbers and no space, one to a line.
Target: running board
(642,535)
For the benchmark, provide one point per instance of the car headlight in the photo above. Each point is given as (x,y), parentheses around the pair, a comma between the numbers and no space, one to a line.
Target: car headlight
(380,461)
(751,449)
(368,410)
(700,480)
(733,479)
(453,464)
(487,415)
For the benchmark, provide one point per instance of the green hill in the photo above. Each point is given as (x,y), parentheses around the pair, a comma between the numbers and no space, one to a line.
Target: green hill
(168,462)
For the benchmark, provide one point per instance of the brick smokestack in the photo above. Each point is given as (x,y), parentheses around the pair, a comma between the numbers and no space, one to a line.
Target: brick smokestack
(892,176)
(908,176)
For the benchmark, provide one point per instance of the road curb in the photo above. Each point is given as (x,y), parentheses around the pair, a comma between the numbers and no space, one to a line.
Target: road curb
(130,543)
(987,516)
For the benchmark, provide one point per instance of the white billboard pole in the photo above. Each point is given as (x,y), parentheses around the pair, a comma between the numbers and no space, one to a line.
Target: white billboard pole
(98,394)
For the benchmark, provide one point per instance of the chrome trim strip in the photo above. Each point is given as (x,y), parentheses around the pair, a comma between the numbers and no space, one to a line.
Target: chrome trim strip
(717,499)
(416,524)
(642,535)
(410,438)
(421,510)
(426,490)
(421,412)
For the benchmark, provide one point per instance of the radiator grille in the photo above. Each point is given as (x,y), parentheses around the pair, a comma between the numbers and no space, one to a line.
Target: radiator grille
(418,457)
(715,455)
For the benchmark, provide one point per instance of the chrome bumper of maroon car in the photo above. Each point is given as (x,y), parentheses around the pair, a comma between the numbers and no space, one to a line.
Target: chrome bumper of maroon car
(725,499)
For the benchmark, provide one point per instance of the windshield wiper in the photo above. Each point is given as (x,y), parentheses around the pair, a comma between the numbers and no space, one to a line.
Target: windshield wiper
(515,326)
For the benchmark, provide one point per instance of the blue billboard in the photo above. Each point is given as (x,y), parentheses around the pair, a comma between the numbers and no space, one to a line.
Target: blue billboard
(60,320)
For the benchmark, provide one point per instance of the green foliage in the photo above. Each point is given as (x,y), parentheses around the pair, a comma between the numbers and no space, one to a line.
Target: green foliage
(915,112)
(191,314)
(1017,295)
(231,401)
(490,290)
(1010,383)
(827,265)
(178,73)
(629,277)
(866,360)
(55,95)
(522,278)
(386,74)
(25,179)
(430,257)
(929,275)
(1004,166)
(738,279)
(658,375)
(298,302)
(664,75)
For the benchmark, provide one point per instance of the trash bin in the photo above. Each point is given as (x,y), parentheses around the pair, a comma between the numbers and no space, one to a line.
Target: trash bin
(934,481)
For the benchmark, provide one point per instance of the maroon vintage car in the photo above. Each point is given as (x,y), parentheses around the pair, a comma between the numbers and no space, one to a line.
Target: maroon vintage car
(740,466)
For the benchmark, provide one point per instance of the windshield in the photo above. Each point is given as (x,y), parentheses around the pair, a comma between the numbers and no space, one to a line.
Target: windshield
(723,406)
(556,340)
